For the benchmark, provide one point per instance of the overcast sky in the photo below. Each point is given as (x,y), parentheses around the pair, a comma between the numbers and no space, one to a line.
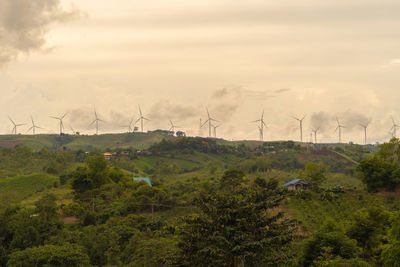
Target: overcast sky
(291,58)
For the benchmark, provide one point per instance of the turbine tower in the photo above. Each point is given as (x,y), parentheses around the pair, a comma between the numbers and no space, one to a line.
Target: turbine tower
(339,127)
(209,120)
(301,126)
(215,130)
(34,126)
(14,130)
(394,127)
(141,119)
(365,126)
(96,120)
(315,131)
(261,126)
(60,119)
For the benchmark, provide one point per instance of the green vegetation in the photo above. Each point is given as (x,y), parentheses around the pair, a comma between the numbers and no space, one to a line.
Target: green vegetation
(236,226)
(85,142)
(211,203)
(15,189)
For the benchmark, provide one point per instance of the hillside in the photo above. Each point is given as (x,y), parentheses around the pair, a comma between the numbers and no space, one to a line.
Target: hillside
(97,200)
(83,142)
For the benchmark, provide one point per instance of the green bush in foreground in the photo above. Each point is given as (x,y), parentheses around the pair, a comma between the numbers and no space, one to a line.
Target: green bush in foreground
(49,255)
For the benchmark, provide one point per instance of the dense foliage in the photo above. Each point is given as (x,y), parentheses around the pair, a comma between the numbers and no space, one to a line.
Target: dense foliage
(237,226)
(211,203)
(382,171)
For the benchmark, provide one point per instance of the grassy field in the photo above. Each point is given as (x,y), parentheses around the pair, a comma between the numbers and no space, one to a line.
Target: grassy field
(15,189)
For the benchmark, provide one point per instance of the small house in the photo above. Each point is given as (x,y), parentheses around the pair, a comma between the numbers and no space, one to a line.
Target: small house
(298,184)
(142,179)
(108,155)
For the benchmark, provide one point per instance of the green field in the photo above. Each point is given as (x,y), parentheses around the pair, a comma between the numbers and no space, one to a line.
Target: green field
(15,189)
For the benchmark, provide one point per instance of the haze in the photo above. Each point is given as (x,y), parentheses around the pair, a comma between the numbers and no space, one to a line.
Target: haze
(174,58)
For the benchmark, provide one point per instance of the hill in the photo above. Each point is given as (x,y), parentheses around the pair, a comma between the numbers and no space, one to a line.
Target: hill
(83,142)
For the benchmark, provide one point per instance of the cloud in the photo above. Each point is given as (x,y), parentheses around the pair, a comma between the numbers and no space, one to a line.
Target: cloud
(351,119)
(283,90)
(25,23)
(224,111)
(321,120)
(395,61)
(220,93)
(164,110)
(326,122)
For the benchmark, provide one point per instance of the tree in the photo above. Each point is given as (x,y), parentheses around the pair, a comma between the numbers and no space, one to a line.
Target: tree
(390,151)
(314,173)
(368,228)
(377,173)
(50,255)
(237,226)
(391,254)
(93,175)
(328,243)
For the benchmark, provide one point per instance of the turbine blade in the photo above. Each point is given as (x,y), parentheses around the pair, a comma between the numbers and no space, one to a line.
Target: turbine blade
(296,118)
(204,123)
(140,111)
(11,120)
(65,114)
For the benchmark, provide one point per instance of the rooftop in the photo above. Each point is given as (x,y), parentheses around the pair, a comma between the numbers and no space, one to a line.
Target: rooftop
(296,181)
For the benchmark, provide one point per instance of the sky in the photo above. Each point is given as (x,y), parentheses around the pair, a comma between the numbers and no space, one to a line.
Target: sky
(290,58)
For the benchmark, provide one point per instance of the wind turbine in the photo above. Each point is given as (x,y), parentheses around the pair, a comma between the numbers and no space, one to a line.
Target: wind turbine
(130,129)
(209,120)
(365,126)
(173,126)
(394,127)
(339,126)
(34,126)
(61,121)
(96,120)
(215,130)
(14,130)
(261,126)
(315,131)
(141,119)
(301,126)
(72,129)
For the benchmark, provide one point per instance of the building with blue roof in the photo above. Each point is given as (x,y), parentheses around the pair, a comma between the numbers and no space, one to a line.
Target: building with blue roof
(298,184)
(142,179)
